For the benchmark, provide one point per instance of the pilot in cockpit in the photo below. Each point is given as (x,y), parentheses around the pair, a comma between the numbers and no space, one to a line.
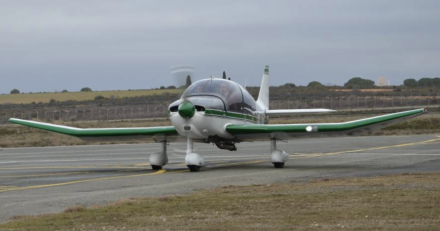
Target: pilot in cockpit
(198,89)
(228,94)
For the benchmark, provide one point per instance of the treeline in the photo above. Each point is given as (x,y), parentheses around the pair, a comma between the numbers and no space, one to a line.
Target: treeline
(423,82)
(353,83)
(360,83)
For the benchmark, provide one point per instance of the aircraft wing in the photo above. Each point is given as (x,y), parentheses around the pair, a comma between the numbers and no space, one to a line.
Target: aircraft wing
(144,134)
(254,132)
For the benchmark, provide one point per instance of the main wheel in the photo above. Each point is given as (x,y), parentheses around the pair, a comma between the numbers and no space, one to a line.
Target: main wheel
(156,167)
(278,165)
(194,168)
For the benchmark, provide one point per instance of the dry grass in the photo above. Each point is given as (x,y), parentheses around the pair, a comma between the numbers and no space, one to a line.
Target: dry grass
(78,96)
(401,202)
(74,209)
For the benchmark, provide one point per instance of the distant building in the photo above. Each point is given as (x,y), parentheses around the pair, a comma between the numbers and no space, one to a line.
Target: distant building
(383,82)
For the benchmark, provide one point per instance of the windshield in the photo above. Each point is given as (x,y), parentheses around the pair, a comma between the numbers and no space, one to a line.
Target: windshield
(227,90)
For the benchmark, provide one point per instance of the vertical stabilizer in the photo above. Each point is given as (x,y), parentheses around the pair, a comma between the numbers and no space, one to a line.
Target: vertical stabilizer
(263,96)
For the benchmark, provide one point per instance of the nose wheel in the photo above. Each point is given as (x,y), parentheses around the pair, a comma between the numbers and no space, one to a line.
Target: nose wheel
(194,168)
(156,167)
(193,160)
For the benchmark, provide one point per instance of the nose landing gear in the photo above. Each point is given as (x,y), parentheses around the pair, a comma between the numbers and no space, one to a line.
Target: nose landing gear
(193,160)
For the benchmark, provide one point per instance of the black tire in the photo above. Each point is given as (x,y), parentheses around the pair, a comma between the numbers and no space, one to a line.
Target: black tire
(194,168)
(278,165)
(156,167)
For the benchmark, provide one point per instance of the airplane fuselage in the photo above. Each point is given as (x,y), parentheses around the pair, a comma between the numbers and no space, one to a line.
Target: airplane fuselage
(208,106)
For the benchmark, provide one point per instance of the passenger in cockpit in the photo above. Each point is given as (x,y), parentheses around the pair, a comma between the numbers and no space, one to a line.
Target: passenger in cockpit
(223,90)
(228,94)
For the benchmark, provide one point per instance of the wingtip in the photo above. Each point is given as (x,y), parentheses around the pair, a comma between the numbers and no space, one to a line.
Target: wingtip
(12,120)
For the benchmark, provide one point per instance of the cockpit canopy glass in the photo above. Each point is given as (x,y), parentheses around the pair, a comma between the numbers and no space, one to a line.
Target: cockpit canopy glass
(226,90)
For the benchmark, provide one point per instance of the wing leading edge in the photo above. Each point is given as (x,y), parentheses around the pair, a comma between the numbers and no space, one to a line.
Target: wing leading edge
(253,132)
(153,134)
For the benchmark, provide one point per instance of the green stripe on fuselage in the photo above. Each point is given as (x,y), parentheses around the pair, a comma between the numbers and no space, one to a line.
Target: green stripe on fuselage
(231,115)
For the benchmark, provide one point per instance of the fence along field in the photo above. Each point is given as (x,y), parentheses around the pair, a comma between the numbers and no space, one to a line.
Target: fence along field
(161,110)
(78,96)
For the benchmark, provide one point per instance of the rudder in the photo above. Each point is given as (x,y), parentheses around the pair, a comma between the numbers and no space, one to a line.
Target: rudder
(263,96)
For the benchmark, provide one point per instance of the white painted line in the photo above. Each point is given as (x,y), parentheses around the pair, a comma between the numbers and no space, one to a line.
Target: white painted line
(7,162)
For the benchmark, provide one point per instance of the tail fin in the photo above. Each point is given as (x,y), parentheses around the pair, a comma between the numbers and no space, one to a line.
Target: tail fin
(263,96)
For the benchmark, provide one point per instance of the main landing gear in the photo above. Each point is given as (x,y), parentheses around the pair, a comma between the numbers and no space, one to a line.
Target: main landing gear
(193,160)
(278,157)
(158,160)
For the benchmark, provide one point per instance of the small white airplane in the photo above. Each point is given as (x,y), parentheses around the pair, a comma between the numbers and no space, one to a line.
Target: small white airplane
(222,112)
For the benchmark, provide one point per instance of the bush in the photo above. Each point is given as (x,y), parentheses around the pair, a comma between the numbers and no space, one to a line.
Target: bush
(15,91)
(425,82)
(64,91)
(99,97)
(315,84)
(86,89)
(410,83)
(288,85)
(358,82)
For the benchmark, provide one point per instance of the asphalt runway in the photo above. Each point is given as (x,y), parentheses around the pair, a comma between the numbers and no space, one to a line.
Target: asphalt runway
(48,180)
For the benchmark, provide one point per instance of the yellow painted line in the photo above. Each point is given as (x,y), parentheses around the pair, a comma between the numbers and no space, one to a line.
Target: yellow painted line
(141,165)
(365,149)
(81,181)
(185,170)
(40,175)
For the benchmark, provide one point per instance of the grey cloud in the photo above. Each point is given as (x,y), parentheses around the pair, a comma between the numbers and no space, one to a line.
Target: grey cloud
(48,45)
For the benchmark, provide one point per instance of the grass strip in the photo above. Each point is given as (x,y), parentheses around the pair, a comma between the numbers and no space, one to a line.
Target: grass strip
(397,202)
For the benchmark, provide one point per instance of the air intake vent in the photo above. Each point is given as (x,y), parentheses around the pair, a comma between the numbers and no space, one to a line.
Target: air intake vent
(199,108)
(174,109)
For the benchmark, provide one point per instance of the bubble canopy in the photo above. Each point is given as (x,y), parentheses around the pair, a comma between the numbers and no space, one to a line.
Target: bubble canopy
(229,92)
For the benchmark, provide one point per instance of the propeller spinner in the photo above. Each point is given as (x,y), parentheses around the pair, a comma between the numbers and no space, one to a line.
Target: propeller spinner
(187,110)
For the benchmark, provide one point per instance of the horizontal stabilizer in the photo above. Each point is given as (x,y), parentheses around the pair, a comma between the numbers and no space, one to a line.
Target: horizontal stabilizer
(295,111)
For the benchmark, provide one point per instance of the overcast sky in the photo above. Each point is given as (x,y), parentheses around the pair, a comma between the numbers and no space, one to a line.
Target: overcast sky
(56,45)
